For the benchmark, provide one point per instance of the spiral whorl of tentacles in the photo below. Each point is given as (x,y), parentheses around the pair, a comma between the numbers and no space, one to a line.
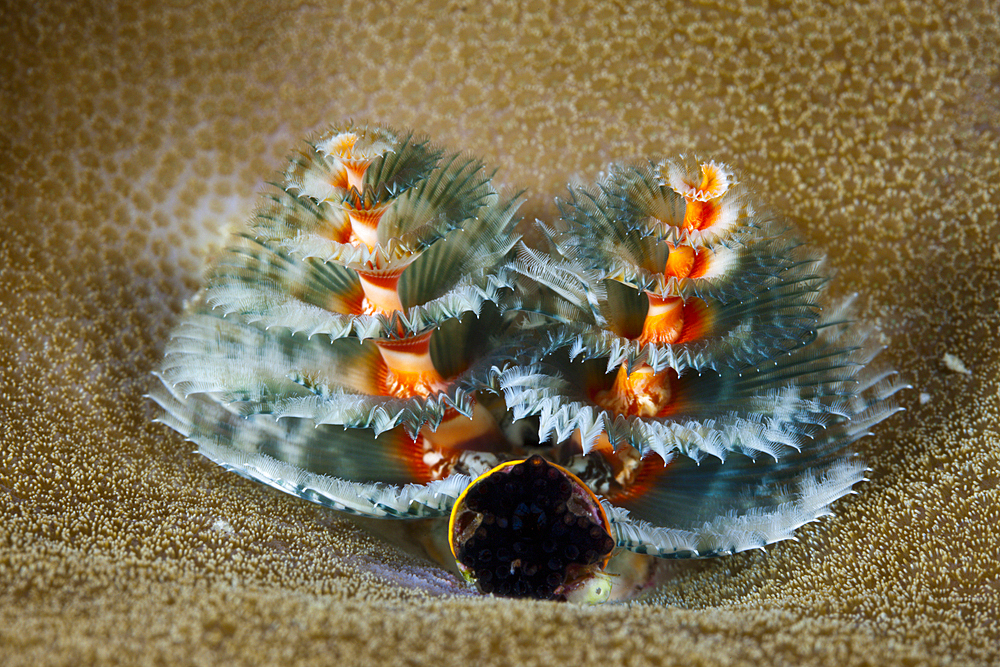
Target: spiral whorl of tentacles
(377,336)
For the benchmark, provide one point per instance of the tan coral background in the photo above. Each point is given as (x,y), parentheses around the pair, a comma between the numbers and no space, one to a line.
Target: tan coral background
(132,133)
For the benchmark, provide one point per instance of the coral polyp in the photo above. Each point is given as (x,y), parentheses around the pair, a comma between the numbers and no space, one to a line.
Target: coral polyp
(659,375)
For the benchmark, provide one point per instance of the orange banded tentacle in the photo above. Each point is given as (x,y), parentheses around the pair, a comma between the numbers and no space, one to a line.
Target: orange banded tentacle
(622,461)
(701,215)
(698,320)
(680,261)
(715,181)
(457,432)
(704,200)
(672,320)
(342,146)
(664,320)
(356,168)
(641,393)
(381,288)
(364,214)
(645,475)
(420,465)
(410,369)
(685,261)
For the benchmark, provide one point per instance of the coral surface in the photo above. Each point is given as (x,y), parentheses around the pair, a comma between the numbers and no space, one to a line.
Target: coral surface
(132,135)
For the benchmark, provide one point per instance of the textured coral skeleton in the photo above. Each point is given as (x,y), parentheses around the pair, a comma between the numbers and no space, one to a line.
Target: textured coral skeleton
(655,378)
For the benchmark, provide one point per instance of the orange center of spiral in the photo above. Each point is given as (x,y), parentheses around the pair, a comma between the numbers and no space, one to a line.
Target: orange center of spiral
(381,290)
(410,370)
(641,393)
(364,215)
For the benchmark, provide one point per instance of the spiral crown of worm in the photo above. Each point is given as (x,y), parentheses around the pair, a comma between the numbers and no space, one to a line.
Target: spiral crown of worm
(378,335)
